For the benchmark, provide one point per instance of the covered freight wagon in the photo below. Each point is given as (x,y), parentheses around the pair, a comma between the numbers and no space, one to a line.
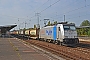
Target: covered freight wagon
(22,32)
(34,33)
(27,32)
(15,32)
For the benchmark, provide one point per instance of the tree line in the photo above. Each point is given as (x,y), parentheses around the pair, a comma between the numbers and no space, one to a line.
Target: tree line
(85,28)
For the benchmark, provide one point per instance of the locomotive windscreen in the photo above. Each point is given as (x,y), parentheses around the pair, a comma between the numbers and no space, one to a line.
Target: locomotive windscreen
(69,27)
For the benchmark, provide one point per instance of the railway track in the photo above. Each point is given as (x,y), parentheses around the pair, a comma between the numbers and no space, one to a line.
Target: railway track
(81,52)
(77,53)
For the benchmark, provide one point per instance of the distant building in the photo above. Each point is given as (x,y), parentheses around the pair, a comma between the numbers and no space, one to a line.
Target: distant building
(4,29)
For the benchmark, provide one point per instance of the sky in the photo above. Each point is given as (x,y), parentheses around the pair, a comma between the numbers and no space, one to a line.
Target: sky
(24,12)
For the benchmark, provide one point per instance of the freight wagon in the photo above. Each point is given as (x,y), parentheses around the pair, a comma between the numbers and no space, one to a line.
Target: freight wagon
(62,33)
(34,33)
(15,32)
(27,32)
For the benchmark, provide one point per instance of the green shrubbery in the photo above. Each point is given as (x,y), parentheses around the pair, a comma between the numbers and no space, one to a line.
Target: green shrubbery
(84,31)
(89,32)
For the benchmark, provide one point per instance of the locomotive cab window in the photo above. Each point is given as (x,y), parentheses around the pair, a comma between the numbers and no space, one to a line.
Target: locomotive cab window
(66,28)
(69,27)
(72,28)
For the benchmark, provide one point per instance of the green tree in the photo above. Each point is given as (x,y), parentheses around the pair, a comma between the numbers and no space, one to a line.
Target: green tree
(49,23)
(84,31)
(85,23)
(34,26)
(55,22)
(89,32)
(24,29)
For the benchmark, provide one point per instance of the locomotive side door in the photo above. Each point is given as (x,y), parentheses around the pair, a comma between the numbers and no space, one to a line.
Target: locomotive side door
(59,35)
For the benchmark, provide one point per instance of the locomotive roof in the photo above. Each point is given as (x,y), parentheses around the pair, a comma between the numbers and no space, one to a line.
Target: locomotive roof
(64,23)
(69,24)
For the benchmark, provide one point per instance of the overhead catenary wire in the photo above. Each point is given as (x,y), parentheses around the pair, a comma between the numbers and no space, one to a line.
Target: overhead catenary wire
(76,9)
(63,7)
(49,6)
(42,5)
(37,8)
(22,17)
(73,10)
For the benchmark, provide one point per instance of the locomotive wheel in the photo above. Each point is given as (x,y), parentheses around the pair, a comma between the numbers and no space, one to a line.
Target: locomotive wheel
(57,42)
(60,43)
(49,41)
(53,41)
